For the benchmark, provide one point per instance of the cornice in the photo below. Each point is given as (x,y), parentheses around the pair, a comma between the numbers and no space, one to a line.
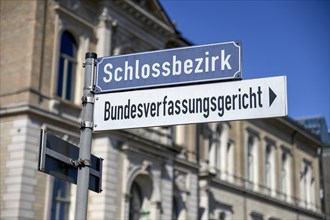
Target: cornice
(26,109)
(295,126)
(60,9)
(144,16)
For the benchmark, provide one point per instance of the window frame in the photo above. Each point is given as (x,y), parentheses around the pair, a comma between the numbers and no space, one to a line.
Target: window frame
(60,204)
(268,167)
(63,72)
(252,177)
(250,160)
(132,212)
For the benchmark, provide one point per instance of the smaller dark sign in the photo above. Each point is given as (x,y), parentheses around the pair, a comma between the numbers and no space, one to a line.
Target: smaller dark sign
(57,156)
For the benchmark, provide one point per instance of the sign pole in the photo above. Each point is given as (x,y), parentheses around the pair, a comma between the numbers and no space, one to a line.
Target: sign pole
(84,161)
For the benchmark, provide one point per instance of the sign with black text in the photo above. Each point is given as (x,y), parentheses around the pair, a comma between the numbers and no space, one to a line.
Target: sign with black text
(248,99)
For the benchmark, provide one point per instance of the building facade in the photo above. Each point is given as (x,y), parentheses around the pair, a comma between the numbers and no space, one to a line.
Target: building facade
(267,170)
(318,126)
(256,169)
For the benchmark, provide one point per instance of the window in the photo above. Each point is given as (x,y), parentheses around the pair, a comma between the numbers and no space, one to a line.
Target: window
(222,216)
(273,218)
(180,194)
(256,216)
(140,193)
(135,203)
(67,67)
(217,142)
(307,186)
(286,174)
(268,167)
(303,184)
(312,196)
(214,149)
(250,159)
(175,209)
(60,200)
(230,161)
(220,211)
(226,152)
(221,151)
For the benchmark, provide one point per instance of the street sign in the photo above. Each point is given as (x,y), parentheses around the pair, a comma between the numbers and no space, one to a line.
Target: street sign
(57,157)
(247,99)
(184,65)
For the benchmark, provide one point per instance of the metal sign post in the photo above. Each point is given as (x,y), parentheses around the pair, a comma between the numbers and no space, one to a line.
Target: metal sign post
(85,137)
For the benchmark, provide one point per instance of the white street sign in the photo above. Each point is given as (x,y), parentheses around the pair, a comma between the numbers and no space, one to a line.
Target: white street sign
(212,102)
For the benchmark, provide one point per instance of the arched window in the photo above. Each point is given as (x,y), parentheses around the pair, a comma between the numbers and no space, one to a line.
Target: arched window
(135,203)
(67,67)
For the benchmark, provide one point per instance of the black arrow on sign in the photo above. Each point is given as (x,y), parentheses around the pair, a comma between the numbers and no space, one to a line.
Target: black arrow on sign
(272,96)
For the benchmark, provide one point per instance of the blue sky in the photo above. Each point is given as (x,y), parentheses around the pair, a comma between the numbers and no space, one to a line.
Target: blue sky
(278,38)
